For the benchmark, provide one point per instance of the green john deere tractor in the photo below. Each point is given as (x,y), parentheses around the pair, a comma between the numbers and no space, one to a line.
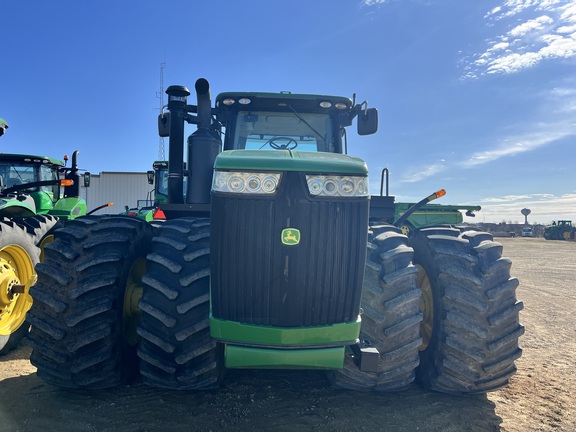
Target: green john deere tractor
(34,199)
(274,257)
(409,216)
(149,209)
(560,230)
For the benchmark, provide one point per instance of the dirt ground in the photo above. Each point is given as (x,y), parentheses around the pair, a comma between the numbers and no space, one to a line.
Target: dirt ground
(540,397)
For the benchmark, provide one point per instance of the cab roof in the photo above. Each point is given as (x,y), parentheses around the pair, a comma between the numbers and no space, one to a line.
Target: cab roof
(45,160)
(281,101)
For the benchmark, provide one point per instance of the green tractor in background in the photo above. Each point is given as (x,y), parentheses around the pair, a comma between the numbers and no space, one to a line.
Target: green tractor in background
(560,230)
(274,255)
(36,194)
(149,209)
(411,216)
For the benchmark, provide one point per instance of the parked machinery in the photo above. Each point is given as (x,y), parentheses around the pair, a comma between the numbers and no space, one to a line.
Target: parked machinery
(262,263)
(36,193)
(560,230)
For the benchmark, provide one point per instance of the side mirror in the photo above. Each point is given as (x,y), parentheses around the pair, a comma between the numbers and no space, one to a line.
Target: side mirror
(164,125)
(150,175)
(368,121)
(86,179)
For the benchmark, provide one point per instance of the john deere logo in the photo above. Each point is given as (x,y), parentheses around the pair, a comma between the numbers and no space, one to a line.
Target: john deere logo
(290,236)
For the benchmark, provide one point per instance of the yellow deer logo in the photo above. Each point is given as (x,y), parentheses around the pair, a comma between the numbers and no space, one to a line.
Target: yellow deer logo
(290,236)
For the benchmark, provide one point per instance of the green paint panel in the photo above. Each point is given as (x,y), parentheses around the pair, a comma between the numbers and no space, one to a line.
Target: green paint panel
(69,208)
(43,201)
(267,358)
(284,160)
(433,214)
(342,333)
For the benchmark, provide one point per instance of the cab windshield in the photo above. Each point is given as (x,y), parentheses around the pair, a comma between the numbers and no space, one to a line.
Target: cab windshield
(273,130)
(17,173)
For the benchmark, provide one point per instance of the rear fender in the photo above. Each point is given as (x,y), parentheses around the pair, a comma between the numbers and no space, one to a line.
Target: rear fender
(12,207)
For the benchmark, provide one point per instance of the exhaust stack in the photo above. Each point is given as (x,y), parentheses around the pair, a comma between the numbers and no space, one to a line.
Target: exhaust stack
(203,147)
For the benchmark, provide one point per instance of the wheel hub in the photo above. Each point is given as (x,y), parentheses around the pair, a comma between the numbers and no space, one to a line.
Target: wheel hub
(16,277)
(132,295)
(426,307)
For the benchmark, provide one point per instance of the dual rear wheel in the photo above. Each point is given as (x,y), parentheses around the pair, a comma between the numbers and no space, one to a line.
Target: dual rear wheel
(454,324)
(117,296)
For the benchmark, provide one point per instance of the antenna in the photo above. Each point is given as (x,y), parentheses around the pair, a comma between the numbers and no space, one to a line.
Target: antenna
(160,95)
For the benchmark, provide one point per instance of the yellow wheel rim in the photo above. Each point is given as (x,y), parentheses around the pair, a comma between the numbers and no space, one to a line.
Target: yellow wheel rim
(16,277)
(132,295)
(405,230)
(48,239)
(426,307)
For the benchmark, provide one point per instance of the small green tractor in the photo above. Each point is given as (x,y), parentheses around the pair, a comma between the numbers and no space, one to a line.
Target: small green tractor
(560,230)
(149,209)
(36,194)
(273,255)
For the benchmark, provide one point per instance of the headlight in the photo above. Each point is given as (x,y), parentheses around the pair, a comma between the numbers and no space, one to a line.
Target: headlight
(245,182)
(345,186)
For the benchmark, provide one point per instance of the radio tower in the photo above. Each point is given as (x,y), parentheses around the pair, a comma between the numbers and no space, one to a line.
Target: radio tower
(160,95)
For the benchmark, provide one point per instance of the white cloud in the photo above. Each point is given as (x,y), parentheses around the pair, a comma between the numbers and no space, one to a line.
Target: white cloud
(539,136)
(373,2)
(422,173)
(494,11)
(514,146)
(551,35)
(566,29)
(530,25)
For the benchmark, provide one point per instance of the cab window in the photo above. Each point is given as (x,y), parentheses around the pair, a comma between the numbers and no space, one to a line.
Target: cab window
(308,132)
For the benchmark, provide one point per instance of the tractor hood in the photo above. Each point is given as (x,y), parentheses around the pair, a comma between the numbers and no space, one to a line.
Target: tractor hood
(287,160)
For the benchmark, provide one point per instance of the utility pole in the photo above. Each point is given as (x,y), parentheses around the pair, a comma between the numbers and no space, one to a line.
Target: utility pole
(160,95)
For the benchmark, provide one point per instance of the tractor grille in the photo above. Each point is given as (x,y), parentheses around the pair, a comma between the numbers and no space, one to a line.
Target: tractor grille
(256,279)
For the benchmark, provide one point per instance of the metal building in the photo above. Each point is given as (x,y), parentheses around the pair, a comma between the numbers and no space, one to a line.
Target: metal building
(121,188)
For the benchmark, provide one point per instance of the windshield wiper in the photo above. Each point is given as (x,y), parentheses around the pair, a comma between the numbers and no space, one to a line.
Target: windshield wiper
(306,123)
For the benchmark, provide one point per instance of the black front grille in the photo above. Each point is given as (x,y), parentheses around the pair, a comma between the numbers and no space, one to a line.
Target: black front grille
(256,279)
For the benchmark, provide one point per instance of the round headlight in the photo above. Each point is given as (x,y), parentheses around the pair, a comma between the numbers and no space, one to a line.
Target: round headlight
(361,187)
(346,186)
(254,184)
(315,186)
(236,184)
(330,186)
(269,184)
(220,180)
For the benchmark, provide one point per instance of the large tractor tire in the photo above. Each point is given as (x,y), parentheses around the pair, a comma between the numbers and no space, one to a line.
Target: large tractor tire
(85,310)
(471,315)
(176,350)
(18,256)
(391,316)
(41,228)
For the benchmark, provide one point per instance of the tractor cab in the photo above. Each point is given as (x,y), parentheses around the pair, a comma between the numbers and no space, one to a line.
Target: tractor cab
(34,185)
(16,170)
(285,121)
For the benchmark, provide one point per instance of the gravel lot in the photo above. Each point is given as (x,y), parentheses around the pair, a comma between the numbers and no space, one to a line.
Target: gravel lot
(540,397)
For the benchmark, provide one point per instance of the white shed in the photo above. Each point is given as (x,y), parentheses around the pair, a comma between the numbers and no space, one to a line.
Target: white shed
(121,188)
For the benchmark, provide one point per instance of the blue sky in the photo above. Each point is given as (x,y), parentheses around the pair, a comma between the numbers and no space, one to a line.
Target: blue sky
(477,97)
